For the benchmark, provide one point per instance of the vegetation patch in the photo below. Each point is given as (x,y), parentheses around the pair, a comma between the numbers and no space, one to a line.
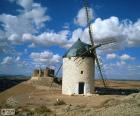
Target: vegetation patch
(42,109)
(59,102)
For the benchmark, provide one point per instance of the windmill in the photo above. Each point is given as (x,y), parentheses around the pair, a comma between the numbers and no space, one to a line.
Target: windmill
(79,77)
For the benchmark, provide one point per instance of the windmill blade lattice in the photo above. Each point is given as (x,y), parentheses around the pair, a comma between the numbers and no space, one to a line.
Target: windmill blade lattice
(92,42)
(55,76)
(100,69)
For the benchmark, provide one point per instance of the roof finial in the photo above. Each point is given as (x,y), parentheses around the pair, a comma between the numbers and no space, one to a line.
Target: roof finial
(79,39)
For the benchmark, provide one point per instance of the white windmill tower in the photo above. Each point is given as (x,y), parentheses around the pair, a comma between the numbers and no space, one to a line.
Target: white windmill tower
(78,75)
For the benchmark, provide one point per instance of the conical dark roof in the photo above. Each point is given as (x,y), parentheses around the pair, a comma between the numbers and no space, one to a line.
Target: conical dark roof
(77,49)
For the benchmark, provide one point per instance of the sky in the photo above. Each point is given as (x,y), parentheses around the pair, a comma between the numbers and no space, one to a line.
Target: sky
(37,33)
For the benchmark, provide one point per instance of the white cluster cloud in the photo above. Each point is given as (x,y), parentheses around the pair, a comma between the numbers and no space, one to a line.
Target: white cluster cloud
(10,60)
(3,46)
(25,28)
(124,33)
(113,29)
(15,65)
(103,31)
(14,38)
(30,19)
(126,57)
(107,28)
(81,18)
(76,34)
(37,15)
(7,60)
(120,63)
(17,59)
(123,57)
(26,4)
(47,39)
(118,70)
(111,56)
(45,57)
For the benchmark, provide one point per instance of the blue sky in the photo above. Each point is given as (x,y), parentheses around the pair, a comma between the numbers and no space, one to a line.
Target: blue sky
(36,33)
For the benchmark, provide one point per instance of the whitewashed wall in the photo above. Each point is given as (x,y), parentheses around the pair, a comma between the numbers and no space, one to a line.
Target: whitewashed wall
(72,75)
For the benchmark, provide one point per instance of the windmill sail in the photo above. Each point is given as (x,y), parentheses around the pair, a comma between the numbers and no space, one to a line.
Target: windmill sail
(92,42)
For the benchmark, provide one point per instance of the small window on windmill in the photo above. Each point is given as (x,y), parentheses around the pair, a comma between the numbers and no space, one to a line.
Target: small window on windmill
(69,58)
(81,72)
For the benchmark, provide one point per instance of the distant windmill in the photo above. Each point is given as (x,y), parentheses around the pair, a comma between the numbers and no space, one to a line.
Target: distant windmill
(79,65)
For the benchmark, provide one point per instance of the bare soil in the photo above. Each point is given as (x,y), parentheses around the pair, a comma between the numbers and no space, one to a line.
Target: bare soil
(31,96)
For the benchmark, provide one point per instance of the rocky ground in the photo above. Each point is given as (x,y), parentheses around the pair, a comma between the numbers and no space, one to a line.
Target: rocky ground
(33,98)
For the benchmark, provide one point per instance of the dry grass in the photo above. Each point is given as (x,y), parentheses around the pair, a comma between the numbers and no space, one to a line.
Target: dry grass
(119,84)
(51,101)
(42,109)
(20,89)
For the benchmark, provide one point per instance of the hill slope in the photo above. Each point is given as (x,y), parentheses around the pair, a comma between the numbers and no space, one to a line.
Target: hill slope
(41,98)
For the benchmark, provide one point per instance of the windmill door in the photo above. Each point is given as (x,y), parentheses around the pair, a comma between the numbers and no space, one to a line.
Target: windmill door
(81,87)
